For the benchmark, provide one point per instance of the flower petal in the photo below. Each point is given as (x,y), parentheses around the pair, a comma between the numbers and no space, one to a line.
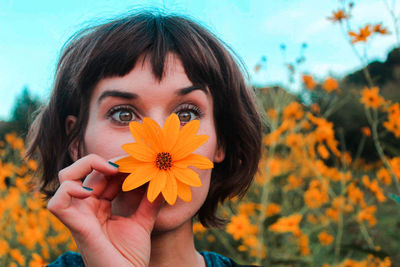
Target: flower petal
(139,177)
(171,131)
(184,191)
(128,164)
(154,133)
(137,131)
(156,185)
(190,128)
(184,148)
(195,160)
(187,176)
(170,191)
(139,151)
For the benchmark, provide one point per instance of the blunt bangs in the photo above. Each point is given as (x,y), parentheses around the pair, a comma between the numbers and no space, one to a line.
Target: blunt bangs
(118,46)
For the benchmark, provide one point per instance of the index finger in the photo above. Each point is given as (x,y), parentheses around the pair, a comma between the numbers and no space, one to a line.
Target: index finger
(84,166)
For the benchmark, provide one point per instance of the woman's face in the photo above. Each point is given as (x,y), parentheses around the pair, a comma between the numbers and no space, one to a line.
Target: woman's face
(118,100)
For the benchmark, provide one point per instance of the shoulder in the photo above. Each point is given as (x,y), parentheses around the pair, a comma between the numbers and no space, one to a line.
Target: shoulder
(213,259)
(68,259)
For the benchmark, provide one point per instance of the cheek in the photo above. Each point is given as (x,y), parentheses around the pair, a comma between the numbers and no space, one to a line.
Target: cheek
(105,141)
(209,148)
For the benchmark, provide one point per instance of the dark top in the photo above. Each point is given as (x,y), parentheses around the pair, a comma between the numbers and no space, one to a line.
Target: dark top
(212,259)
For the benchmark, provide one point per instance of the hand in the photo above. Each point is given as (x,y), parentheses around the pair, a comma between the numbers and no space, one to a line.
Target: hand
(102,238)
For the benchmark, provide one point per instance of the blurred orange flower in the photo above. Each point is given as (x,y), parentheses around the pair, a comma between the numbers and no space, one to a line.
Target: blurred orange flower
(338,16)
(384,176)
(309,82)
(330,85)
(362,35)
(293,111)
(379,29)
(303,243)
(370,97)
(325,238)
(395,165)
(393,123)
(272,209)
(287,224)
(366,131)
(240,227)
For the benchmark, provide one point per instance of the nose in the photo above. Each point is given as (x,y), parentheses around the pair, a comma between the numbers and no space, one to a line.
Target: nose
(158,116)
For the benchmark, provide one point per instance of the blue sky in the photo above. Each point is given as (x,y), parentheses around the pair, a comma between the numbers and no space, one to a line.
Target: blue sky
(33,32)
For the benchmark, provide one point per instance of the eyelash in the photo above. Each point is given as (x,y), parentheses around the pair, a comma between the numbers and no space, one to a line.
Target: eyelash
(190,108)
(116,109)
(185,107)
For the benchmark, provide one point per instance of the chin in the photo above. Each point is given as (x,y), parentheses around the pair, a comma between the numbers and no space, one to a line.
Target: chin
(173,217)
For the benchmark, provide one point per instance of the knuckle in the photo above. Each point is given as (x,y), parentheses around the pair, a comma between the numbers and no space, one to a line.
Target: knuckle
(52,205)
(94,157)
(61,175)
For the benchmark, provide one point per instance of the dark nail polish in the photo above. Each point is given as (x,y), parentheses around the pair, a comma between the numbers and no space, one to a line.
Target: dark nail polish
(88,188)
(113,164)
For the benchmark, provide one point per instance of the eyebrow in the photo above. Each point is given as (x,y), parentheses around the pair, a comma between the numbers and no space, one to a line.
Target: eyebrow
(130,96)
(117,93)
(187,90)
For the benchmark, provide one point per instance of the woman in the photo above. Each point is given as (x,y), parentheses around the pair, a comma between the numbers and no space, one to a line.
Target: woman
(143,65)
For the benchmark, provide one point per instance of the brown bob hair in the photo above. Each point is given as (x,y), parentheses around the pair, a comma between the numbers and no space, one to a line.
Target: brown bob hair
(113,49)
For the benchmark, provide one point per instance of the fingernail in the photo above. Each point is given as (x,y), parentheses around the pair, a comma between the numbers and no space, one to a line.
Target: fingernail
(88,188)
(113,164)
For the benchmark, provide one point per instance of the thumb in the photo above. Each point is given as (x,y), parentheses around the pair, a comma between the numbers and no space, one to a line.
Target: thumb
(147,212)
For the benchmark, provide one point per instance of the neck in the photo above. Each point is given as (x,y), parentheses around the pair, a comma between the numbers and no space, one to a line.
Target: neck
(175,248)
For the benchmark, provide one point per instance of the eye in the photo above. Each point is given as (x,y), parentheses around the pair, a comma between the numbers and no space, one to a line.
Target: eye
(188,112)
(186,116)
(122,114)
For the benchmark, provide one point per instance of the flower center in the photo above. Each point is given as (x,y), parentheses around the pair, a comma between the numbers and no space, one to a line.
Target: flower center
(164,161)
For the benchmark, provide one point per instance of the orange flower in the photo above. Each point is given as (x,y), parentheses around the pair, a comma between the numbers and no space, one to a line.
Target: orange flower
(309,82)
(379,29)
(240,227)
(272,114)
(330,85)
(303,245)
(362,35)
(293,111)
(374,187)
(393,123)
(293,182)
(324,238)
(316,195)
(198,228)
(17,256)
(272,209)
(394,110)
(367,214)
(294,140)
(287,224)
(366,131)
(162,156)
(338,16)
(323,151)
(395,165)
(384,176)
(36,261)
(355,194)
(370,97)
